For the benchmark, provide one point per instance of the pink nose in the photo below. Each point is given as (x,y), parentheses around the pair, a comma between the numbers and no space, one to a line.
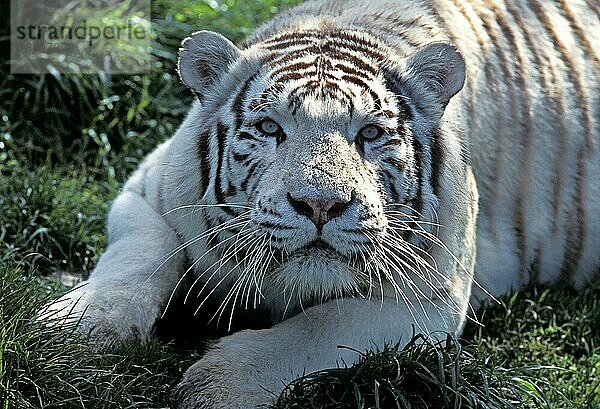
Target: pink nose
(319,212)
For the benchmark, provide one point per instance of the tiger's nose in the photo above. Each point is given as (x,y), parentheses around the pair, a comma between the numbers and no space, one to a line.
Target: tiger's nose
(319,212)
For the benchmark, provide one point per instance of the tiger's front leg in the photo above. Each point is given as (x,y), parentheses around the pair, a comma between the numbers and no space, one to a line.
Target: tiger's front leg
(128,289)
(251,368)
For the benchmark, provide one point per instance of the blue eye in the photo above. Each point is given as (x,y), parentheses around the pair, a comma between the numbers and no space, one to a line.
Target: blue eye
(370,132)
(268,127)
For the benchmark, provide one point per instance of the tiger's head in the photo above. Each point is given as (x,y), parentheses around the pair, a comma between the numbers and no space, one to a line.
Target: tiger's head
(320,158)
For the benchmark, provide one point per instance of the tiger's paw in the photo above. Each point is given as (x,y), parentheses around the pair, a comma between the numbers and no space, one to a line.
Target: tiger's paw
(104,320)
(232,375)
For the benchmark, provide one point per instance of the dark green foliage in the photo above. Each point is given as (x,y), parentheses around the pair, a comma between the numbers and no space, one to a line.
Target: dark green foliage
(103,120)
(53,218)
(50,368)
(235,19)
(90,120)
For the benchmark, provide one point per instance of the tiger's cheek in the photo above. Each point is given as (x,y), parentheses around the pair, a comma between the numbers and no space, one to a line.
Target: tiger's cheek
(250,158)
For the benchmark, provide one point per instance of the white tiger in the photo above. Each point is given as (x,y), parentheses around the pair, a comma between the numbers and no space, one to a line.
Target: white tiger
(334,175)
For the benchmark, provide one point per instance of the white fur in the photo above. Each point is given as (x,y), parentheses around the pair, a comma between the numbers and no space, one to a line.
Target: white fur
(161,209)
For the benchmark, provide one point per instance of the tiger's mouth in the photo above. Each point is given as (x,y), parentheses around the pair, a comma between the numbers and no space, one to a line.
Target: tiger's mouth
(317,244)
(317,249)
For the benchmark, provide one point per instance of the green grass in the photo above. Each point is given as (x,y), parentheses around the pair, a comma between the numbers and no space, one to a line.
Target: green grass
(45,368)
(420,375)
(554,327)
(67,143)
(53,218)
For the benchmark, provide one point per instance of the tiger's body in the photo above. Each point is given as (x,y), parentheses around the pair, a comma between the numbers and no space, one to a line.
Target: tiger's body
(533,149)
(328,168)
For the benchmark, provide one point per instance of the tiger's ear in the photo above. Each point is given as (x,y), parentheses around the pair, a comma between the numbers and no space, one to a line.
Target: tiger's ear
(438,69)
(203,58)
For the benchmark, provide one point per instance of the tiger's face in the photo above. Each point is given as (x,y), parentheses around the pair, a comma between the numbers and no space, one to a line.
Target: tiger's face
(322,176)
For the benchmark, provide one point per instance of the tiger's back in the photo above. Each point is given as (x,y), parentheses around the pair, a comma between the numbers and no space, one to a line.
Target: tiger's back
(532,113)
(529,115)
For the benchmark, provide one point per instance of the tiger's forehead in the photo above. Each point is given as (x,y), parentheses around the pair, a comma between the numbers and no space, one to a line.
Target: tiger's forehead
(336,44)
(316,71)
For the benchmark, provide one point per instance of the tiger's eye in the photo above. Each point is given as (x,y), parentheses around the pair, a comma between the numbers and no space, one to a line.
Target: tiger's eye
(268,127)
(370,132)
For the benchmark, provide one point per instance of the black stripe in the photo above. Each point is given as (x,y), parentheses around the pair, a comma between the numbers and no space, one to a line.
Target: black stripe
(572,70)
(212,239)
(362,84)
(334,53)
(576,225)
(231,191)
(347,40)
(349,51)
(250,173)
(247,136)
(284,45)
(357,72)
(359,144)
(272,90)
(593,6)
(222,131)
(262,169)
(404,110)
(536,66)
(279,59)
(344,94)
(294,67)
(420,164)
(291,76)
(395,163)
(396,141)
(326,87)
(238,101)
(585,45)
(240,157)
(363,65)
(388,181)
(379,143)
(470,106)
(437,161)
(519,220)
(361,45)
(575,247)
(202,151)
(556,106)
(293,36)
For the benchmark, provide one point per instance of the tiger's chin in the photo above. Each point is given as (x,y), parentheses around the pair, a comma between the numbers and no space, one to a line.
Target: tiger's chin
(316,275)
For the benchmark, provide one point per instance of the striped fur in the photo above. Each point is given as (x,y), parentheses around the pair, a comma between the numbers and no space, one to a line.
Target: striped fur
(542,93)
(493,182)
